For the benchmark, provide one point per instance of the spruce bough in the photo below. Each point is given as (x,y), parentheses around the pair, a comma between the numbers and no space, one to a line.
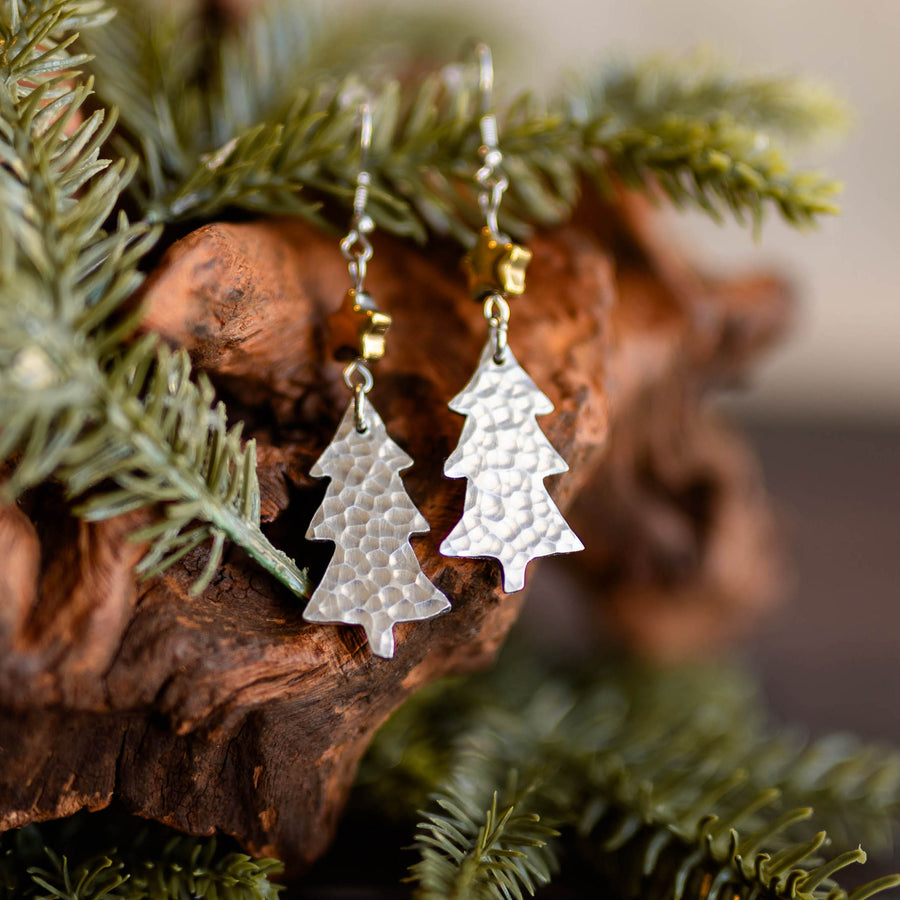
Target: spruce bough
(668,784)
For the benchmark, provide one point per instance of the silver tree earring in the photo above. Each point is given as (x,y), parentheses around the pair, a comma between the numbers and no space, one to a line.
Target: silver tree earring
(508,514)
(373,579)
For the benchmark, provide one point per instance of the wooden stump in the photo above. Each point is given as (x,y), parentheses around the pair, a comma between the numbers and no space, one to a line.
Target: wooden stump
(227,712)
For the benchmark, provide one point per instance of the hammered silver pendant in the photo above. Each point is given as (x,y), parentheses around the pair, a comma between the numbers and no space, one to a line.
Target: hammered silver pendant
(508,514)
(374,578)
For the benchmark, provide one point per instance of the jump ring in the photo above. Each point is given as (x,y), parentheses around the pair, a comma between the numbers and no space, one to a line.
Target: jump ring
(358,367)
(359,408)
(356,246)
(496,307)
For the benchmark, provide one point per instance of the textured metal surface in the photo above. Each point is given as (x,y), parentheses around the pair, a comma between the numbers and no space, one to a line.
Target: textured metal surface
(374,578)
(508,513)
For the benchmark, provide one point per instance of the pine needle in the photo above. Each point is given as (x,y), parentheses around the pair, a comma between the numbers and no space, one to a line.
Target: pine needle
(110,856)
(122,424)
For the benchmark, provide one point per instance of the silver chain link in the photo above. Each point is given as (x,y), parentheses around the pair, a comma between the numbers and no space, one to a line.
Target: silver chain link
(358,379)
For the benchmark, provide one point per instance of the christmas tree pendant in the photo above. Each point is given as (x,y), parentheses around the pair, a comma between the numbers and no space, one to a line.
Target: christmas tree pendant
(508,514)
(374,578)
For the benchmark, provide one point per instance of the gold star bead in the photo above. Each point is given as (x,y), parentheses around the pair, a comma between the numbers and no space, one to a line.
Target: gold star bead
(358,328)
(494,265)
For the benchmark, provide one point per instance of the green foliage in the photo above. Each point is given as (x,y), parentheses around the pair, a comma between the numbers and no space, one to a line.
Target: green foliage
(109,856)
(669,784)
(261,125)
(697,87)
(123,421)
(503,850)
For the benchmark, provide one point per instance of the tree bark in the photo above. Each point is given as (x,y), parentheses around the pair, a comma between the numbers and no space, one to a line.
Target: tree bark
(227,712)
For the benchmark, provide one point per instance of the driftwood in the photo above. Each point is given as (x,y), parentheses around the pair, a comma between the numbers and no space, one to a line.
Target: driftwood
(227,712)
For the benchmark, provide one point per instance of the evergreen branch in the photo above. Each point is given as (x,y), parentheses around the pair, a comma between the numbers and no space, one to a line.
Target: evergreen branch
(854,787)
(422,164)
(646,722)
(672,834)
(96,879)
(696,88)
(73,403)
(721,167)
(707,141)
(195,868)
(62,861)
(162,443)
(500,852)
(656,772)
(648,843)
(186,99)
(715,862)
(182,94)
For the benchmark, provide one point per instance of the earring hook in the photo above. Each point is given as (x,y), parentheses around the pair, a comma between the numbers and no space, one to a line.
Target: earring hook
(363,178)
(357,250)
(356,247)
(488,121)
(489,177)
(485,76)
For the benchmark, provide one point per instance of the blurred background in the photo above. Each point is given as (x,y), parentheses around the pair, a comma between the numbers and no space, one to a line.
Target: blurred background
(824,413)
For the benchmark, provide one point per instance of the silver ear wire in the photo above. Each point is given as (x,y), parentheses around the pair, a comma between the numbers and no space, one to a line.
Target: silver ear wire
(485,76)
(363,178)
(355,246)
(357,250)
(489,177)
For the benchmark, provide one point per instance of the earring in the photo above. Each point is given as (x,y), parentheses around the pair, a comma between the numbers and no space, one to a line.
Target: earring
(374,578)
(508,514)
